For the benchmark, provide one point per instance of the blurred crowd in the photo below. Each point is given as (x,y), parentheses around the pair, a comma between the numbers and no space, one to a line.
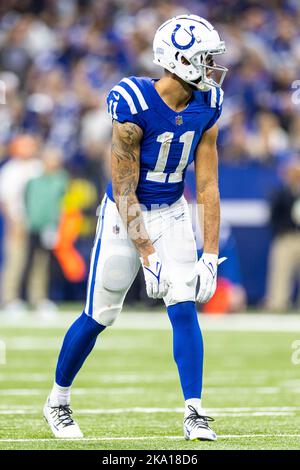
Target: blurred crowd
(58,59)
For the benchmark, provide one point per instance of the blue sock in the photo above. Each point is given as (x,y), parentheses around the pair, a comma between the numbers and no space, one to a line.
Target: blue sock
(77,345)
(187,347)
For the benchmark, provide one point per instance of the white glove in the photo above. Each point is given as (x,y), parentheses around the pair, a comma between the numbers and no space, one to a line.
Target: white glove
(157,282)
(206,269)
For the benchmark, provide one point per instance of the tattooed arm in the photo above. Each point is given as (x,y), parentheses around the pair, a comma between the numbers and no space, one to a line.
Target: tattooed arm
(126,140)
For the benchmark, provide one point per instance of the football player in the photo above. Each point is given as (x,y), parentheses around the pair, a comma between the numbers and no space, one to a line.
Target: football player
(160,126)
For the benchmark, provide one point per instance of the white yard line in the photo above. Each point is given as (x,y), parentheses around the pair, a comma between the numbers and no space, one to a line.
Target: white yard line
(105,412)
(159,321)
(105,378)
(132,390)
(215,414)
(32,343)
(220,412)
(213,380)
(148,438)
(171,410)
(78,391)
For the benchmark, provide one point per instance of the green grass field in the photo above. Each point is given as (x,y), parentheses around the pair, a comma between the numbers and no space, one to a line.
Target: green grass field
(127,396)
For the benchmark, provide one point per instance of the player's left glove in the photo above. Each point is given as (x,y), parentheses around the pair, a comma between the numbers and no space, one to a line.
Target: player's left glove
(206,269)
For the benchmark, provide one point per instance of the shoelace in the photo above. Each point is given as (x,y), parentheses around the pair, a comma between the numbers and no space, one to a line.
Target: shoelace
(194,419)
(63,415)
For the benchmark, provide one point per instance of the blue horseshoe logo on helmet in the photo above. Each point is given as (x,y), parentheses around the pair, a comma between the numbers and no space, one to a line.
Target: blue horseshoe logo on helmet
(186,46)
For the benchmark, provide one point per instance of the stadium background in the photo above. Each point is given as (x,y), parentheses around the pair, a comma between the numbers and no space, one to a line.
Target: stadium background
(58,59)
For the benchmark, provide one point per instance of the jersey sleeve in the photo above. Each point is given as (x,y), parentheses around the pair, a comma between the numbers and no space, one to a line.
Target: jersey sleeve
(126,103)
(216,103)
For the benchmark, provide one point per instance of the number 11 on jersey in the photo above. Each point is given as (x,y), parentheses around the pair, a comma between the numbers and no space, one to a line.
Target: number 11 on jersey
(165,140)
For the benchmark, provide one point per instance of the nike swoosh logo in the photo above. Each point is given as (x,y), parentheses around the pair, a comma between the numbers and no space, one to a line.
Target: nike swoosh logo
(117,97)
(156,239)
(210,268)
(176,217)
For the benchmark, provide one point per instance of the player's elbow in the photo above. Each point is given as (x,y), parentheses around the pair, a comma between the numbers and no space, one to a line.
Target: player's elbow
(209,194)
(123,191)
(208,186)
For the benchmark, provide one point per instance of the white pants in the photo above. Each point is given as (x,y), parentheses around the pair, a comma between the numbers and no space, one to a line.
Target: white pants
(115,262)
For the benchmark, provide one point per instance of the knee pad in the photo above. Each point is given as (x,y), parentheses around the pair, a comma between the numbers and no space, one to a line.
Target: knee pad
(106,316)
(118,272)
(111,287)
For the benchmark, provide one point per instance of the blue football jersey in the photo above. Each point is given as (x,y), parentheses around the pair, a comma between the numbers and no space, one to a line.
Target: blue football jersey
(169,138)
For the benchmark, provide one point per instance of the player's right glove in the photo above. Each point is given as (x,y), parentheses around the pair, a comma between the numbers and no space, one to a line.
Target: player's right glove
(157,282)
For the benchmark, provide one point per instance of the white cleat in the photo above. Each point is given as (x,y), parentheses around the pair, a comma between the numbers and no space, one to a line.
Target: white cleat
(61,422)
(195,426)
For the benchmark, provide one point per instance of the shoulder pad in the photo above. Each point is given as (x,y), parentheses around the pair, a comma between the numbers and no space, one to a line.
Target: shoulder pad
(126,99)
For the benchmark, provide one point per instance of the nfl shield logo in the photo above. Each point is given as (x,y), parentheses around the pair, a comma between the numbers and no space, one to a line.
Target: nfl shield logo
(179,120)
(116,229)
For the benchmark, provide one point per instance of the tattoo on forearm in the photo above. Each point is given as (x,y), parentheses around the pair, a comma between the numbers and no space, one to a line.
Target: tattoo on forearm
(125,176)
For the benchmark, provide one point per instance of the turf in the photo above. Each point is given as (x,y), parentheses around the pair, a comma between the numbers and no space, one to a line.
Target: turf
(128,397)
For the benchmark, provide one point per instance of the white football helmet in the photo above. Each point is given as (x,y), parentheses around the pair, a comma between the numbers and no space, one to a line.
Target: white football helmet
(185,45)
